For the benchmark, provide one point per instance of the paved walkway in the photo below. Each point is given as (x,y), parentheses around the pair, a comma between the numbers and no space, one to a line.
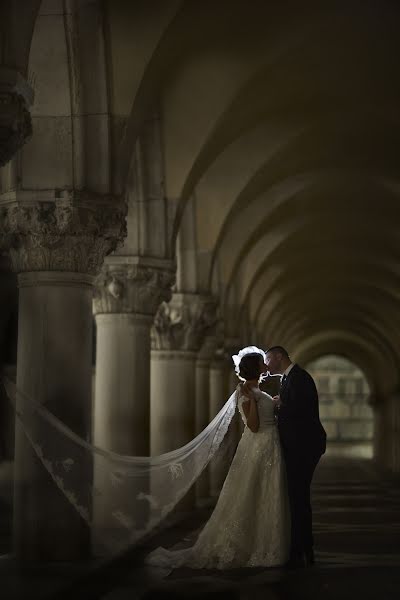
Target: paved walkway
(357,538)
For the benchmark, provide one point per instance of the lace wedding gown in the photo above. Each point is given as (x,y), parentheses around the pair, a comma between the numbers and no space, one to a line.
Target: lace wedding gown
(250,525)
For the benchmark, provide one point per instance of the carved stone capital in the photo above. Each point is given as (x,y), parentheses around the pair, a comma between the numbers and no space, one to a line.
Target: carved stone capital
(183,322)
(15,119)
(133,285)
(208,348)
(70,231)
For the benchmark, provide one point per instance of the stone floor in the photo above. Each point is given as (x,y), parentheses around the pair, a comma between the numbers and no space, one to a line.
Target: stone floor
(357,535)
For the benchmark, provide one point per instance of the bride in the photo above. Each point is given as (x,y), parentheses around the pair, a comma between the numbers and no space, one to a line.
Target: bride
(250,525)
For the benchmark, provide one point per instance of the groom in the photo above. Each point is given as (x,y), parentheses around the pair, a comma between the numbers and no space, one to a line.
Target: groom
(303,441)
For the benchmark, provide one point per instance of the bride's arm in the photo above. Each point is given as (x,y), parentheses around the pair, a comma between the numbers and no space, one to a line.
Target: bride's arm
(251,413)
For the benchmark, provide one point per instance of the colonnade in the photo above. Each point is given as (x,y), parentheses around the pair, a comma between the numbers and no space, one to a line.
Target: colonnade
(387,432)
(156,385)
(158,378)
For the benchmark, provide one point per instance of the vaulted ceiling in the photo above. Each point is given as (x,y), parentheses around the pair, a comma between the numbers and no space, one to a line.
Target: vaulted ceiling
(281,122)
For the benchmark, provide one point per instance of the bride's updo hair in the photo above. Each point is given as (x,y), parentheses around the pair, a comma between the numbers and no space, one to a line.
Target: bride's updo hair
(249,366)
(247,362)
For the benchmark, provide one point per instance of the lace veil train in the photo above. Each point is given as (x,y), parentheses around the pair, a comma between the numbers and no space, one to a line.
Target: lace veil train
(122,498)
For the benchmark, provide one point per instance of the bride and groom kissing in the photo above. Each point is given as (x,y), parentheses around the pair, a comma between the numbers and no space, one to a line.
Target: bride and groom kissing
(263,517)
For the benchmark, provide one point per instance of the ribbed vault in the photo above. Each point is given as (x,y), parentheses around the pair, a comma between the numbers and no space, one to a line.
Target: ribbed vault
(280,124)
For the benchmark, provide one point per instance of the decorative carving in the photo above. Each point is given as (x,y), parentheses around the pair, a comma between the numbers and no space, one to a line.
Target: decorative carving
(115,288)
(15,119)
(208,348)
(73,232)
(183,322)
(133,286)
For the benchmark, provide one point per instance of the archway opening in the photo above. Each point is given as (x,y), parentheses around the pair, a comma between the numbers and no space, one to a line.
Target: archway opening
(344,406)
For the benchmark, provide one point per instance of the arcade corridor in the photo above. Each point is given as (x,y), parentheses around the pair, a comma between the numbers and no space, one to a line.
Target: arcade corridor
(178,180)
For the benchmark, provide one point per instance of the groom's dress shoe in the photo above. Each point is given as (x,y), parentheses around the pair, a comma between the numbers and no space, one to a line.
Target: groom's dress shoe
(300,561)
(309,558)
(296,562)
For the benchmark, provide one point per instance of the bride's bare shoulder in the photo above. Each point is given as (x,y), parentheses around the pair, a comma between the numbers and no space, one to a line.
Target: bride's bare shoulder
(265,396)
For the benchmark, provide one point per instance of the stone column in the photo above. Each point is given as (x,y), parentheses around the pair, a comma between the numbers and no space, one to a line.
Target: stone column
(232,346)
(178,332)
(205,357)
(128,293)
(219,394)
(237,419)
(380,430)
(57,246)
(8,306)
(15,121)
(391,433)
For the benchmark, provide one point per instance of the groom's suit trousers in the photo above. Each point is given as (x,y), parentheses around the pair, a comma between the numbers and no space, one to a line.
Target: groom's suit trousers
(303,442)
(300,470)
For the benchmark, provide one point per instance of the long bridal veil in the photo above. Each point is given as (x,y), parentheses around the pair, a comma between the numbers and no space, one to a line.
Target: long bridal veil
(122,498)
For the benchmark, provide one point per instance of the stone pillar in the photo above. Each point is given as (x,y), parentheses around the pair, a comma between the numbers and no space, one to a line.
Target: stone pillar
(379,407)
(57,246)
(178,332)
(392,433)
(128,293)
(15,121)
(205,357)
(8,307)
(232,346)
(219,394)
(237,419)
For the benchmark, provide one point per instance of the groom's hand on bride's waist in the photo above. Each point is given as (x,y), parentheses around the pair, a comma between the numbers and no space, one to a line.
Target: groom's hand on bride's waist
(277,401)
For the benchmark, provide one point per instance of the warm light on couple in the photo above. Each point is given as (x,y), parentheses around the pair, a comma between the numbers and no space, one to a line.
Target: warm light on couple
(263,517)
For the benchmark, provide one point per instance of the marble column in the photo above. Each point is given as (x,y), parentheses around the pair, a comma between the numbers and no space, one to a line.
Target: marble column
(205,357)
(392,433)
(16,96)
(57,246)
(129,291)
(128,294)
(178,332)
(232,346)
(381,430)
(219,394)
(8,307)
(237,419)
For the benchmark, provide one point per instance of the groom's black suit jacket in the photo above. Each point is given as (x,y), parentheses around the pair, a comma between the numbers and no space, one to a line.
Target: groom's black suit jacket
(299,426)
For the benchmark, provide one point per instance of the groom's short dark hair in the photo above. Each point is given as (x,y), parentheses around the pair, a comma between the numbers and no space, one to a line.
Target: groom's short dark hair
(280,349)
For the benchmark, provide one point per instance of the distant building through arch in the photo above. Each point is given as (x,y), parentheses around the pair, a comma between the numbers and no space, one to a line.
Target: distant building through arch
(344,405)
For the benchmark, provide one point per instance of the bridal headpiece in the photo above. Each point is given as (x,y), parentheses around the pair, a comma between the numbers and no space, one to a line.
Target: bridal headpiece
(247,350)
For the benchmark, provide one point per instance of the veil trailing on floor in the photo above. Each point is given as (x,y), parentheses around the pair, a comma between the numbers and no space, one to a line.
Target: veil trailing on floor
(122,498)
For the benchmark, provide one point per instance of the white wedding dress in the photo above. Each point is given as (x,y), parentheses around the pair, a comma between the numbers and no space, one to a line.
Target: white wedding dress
(250,525)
